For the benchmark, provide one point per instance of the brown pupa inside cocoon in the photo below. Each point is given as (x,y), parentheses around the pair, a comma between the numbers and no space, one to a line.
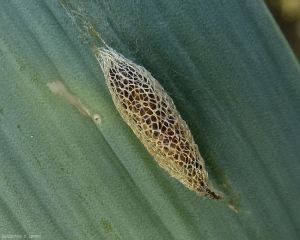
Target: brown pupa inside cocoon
(150,112)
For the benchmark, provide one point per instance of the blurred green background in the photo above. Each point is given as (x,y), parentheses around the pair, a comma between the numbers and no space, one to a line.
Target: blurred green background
(287,15)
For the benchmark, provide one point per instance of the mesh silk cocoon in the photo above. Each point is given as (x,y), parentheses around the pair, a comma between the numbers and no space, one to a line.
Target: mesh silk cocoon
(150,112)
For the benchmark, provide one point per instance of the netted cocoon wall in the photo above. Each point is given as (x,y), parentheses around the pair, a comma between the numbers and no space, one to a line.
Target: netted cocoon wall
(150,112)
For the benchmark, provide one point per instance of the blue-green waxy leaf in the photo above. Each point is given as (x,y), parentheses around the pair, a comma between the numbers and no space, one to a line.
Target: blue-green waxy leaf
(232,77)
